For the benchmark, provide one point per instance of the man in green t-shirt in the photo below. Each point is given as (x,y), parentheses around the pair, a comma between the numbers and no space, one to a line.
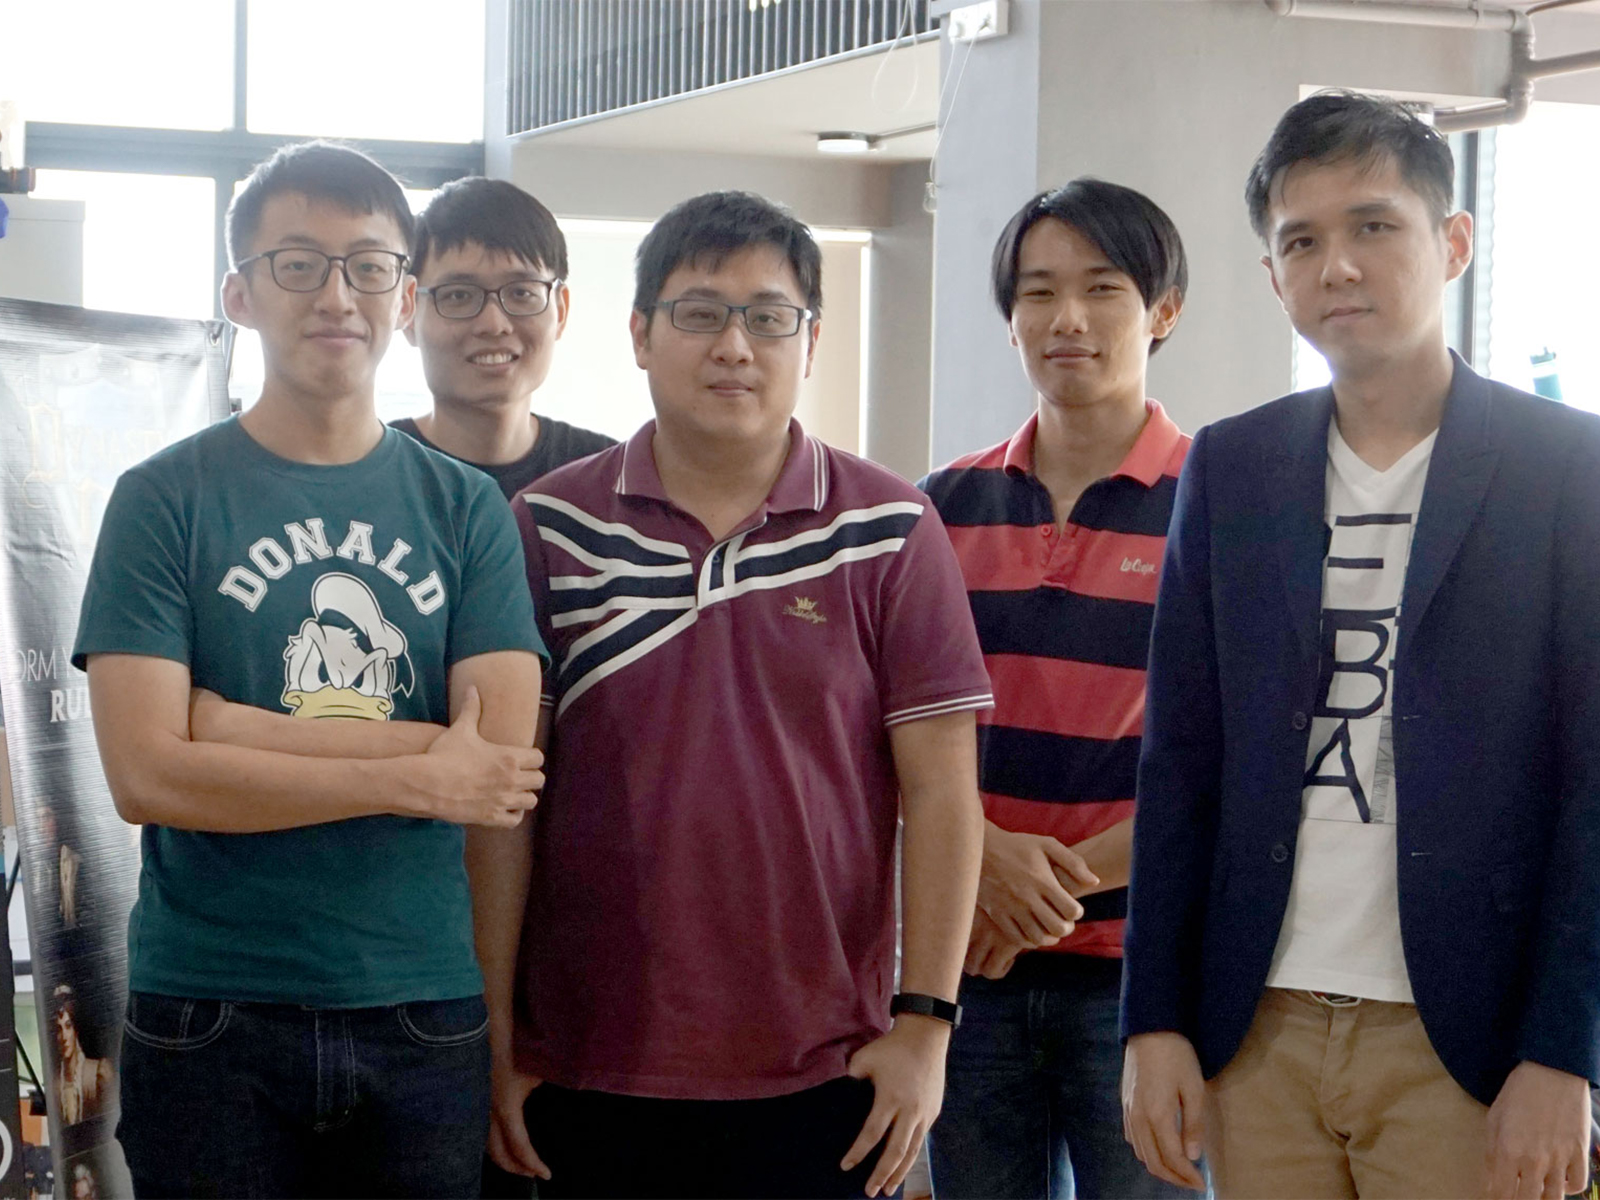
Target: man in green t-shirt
(306,1011)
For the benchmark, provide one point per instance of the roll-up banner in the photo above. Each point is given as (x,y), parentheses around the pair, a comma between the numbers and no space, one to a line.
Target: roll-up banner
(83,396)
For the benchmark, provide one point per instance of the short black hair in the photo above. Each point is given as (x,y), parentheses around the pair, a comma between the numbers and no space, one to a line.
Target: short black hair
(704,231)
(319,170)
(1129,228)
(1337,125)
(494,214)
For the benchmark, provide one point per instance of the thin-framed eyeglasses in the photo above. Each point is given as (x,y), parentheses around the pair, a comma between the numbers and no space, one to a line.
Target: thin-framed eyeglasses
(519,298)
(301,269)
(712,316)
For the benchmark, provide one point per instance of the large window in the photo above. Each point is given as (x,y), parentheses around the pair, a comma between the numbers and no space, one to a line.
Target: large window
(168,107)
(131,63)
(1541,261)
(141,252)
(407,70)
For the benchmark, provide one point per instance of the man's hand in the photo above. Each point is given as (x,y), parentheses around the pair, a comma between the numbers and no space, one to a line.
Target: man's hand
(906,1067)
(468,781)
(509,1144)
(990,953)
(1539,1134)
(1024,886)
(1163,1106)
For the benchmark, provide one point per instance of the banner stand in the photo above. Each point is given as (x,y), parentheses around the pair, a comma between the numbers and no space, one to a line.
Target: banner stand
(83,396)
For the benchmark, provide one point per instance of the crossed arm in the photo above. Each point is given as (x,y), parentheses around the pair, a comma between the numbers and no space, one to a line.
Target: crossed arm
(279,772)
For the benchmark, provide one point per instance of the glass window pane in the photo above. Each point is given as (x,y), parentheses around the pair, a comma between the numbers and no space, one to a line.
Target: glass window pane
(148,243)
(131,64)
(349,68)
(1542,267)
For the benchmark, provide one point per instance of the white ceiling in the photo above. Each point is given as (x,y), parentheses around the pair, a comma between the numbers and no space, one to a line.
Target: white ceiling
(780,115)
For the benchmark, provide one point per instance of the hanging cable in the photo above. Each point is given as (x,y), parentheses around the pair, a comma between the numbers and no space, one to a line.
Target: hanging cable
(901,29)
(930,193)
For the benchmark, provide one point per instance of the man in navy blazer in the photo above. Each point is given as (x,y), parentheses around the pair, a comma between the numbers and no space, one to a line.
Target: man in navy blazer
(1363,908)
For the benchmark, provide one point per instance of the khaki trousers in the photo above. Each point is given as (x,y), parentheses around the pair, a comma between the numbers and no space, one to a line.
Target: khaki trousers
(1341,1100)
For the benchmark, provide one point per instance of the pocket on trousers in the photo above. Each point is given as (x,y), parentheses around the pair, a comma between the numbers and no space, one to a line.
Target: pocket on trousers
(445,1022)
(175,1022)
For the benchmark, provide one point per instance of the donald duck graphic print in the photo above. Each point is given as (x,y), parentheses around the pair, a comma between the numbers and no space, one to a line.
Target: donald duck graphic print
(347,660)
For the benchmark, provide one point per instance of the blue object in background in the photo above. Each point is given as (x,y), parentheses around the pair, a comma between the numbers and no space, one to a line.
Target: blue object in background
(4,213)
(1546,382)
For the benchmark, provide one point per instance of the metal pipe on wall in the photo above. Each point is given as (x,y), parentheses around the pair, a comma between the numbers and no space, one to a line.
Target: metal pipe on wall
(1524,67)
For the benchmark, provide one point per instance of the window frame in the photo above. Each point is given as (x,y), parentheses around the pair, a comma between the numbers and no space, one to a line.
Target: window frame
(227,156)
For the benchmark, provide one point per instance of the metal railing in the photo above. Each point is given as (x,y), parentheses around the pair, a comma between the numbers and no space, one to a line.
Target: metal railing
(568,59)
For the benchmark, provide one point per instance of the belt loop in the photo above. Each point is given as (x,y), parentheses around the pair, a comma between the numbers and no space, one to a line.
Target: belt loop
(1335,999)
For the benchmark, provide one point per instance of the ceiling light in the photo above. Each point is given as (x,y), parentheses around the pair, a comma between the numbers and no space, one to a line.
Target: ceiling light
(838,141)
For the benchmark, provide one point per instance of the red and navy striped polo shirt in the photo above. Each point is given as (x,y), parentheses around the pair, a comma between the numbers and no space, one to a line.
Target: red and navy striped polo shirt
(1064,620)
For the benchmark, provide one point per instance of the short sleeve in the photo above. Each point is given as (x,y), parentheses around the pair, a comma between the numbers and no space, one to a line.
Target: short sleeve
(136,600)
(929,660)
(495,611)
(537,579)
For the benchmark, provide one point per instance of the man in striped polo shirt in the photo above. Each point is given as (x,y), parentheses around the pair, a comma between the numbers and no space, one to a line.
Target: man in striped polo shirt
(765,657)
(1060,533)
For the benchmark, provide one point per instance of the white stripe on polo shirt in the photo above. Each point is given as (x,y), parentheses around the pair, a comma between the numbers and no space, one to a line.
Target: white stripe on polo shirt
(921,711)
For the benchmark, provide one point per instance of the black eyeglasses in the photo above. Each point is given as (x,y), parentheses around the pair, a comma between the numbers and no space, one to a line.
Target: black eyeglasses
(519,298)
(712,316)
(299,269)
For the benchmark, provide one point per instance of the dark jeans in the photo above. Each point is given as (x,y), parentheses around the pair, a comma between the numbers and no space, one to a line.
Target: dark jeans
(226,1099)
(1032,1098)
(597,1144)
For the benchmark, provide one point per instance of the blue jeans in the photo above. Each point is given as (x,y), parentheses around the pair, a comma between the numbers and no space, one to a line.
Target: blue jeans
(227,1099)
(1032,1105)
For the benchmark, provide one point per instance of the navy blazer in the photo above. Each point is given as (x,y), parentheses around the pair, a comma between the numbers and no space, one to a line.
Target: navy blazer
(1496,706)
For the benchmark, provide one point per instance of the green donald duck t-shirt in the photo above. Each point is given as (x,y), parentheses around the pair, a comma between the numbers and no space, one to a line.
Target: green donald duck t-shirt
(316,591)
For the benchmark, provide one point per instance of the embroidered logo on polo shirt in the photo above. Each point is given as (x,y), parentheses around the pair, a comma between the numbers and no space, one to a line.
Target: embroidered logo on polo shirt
(806,609)
(1138,566)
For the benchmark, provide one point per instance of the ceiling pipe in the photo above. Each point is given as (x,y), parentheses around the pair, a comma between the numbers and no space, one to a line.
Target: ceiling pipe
(1474,17)
(1524,67)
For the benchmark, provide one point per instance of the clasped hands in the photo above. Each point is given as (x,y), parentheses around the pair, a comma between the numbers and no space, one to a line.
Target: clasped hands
(1027,898)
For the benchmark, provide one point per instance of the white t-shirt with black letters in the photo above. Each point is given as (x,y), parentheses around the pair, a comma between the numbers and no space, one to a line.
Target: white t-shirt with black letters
(1341,932)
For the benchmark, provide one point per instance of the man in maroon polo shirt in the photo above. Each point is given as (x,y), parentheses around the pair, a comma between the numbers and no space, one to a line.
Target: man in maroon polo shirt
(765,657)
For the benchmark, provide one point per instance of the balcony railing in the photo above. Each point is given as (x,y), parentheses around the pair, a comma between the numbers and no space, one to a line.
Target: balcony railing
(569,59)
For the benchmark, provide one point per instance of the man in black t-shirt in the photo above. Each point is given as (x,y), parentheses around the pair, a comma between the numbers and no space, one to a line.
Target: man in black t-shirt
(491,267)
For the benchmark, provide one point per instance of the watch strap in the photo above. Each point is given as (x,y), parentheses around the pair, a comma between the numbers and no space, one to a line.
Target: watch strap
(927,1006)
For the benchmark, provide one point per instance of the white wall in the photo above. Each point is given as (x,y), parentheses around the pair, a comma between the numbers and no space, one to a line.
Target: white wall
(900,322)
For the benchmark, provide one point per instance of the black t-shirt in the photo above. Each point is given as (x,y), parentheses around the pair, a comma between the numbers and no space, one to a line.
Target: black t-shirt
(558,444)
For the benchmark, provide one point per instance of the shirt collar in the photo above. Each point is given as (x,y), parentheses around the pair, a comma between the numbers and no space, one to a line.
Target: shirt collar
(1145,461)
(802,485)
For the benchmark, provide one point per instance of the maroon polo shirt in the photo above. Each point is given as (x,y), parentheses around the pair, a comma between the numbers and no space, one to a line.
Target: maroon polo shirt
(711,914)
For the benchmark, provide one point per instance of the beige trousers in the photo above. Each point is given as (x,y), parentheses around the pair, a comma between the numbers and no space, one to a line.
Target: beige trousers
(1326,1100)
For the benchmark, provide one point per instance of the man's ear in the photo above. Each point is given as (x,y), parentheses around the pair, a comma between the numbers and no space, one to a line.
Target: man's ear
(639,327)
(236,300)
(1164,314)
(1458,237)
(1272,278)
(563,307)
(811,348)
(408,306)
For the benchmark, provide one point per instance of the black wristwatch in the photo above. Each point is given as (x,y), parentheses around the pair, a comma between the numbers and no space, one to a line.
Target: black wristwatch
(927,1006)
